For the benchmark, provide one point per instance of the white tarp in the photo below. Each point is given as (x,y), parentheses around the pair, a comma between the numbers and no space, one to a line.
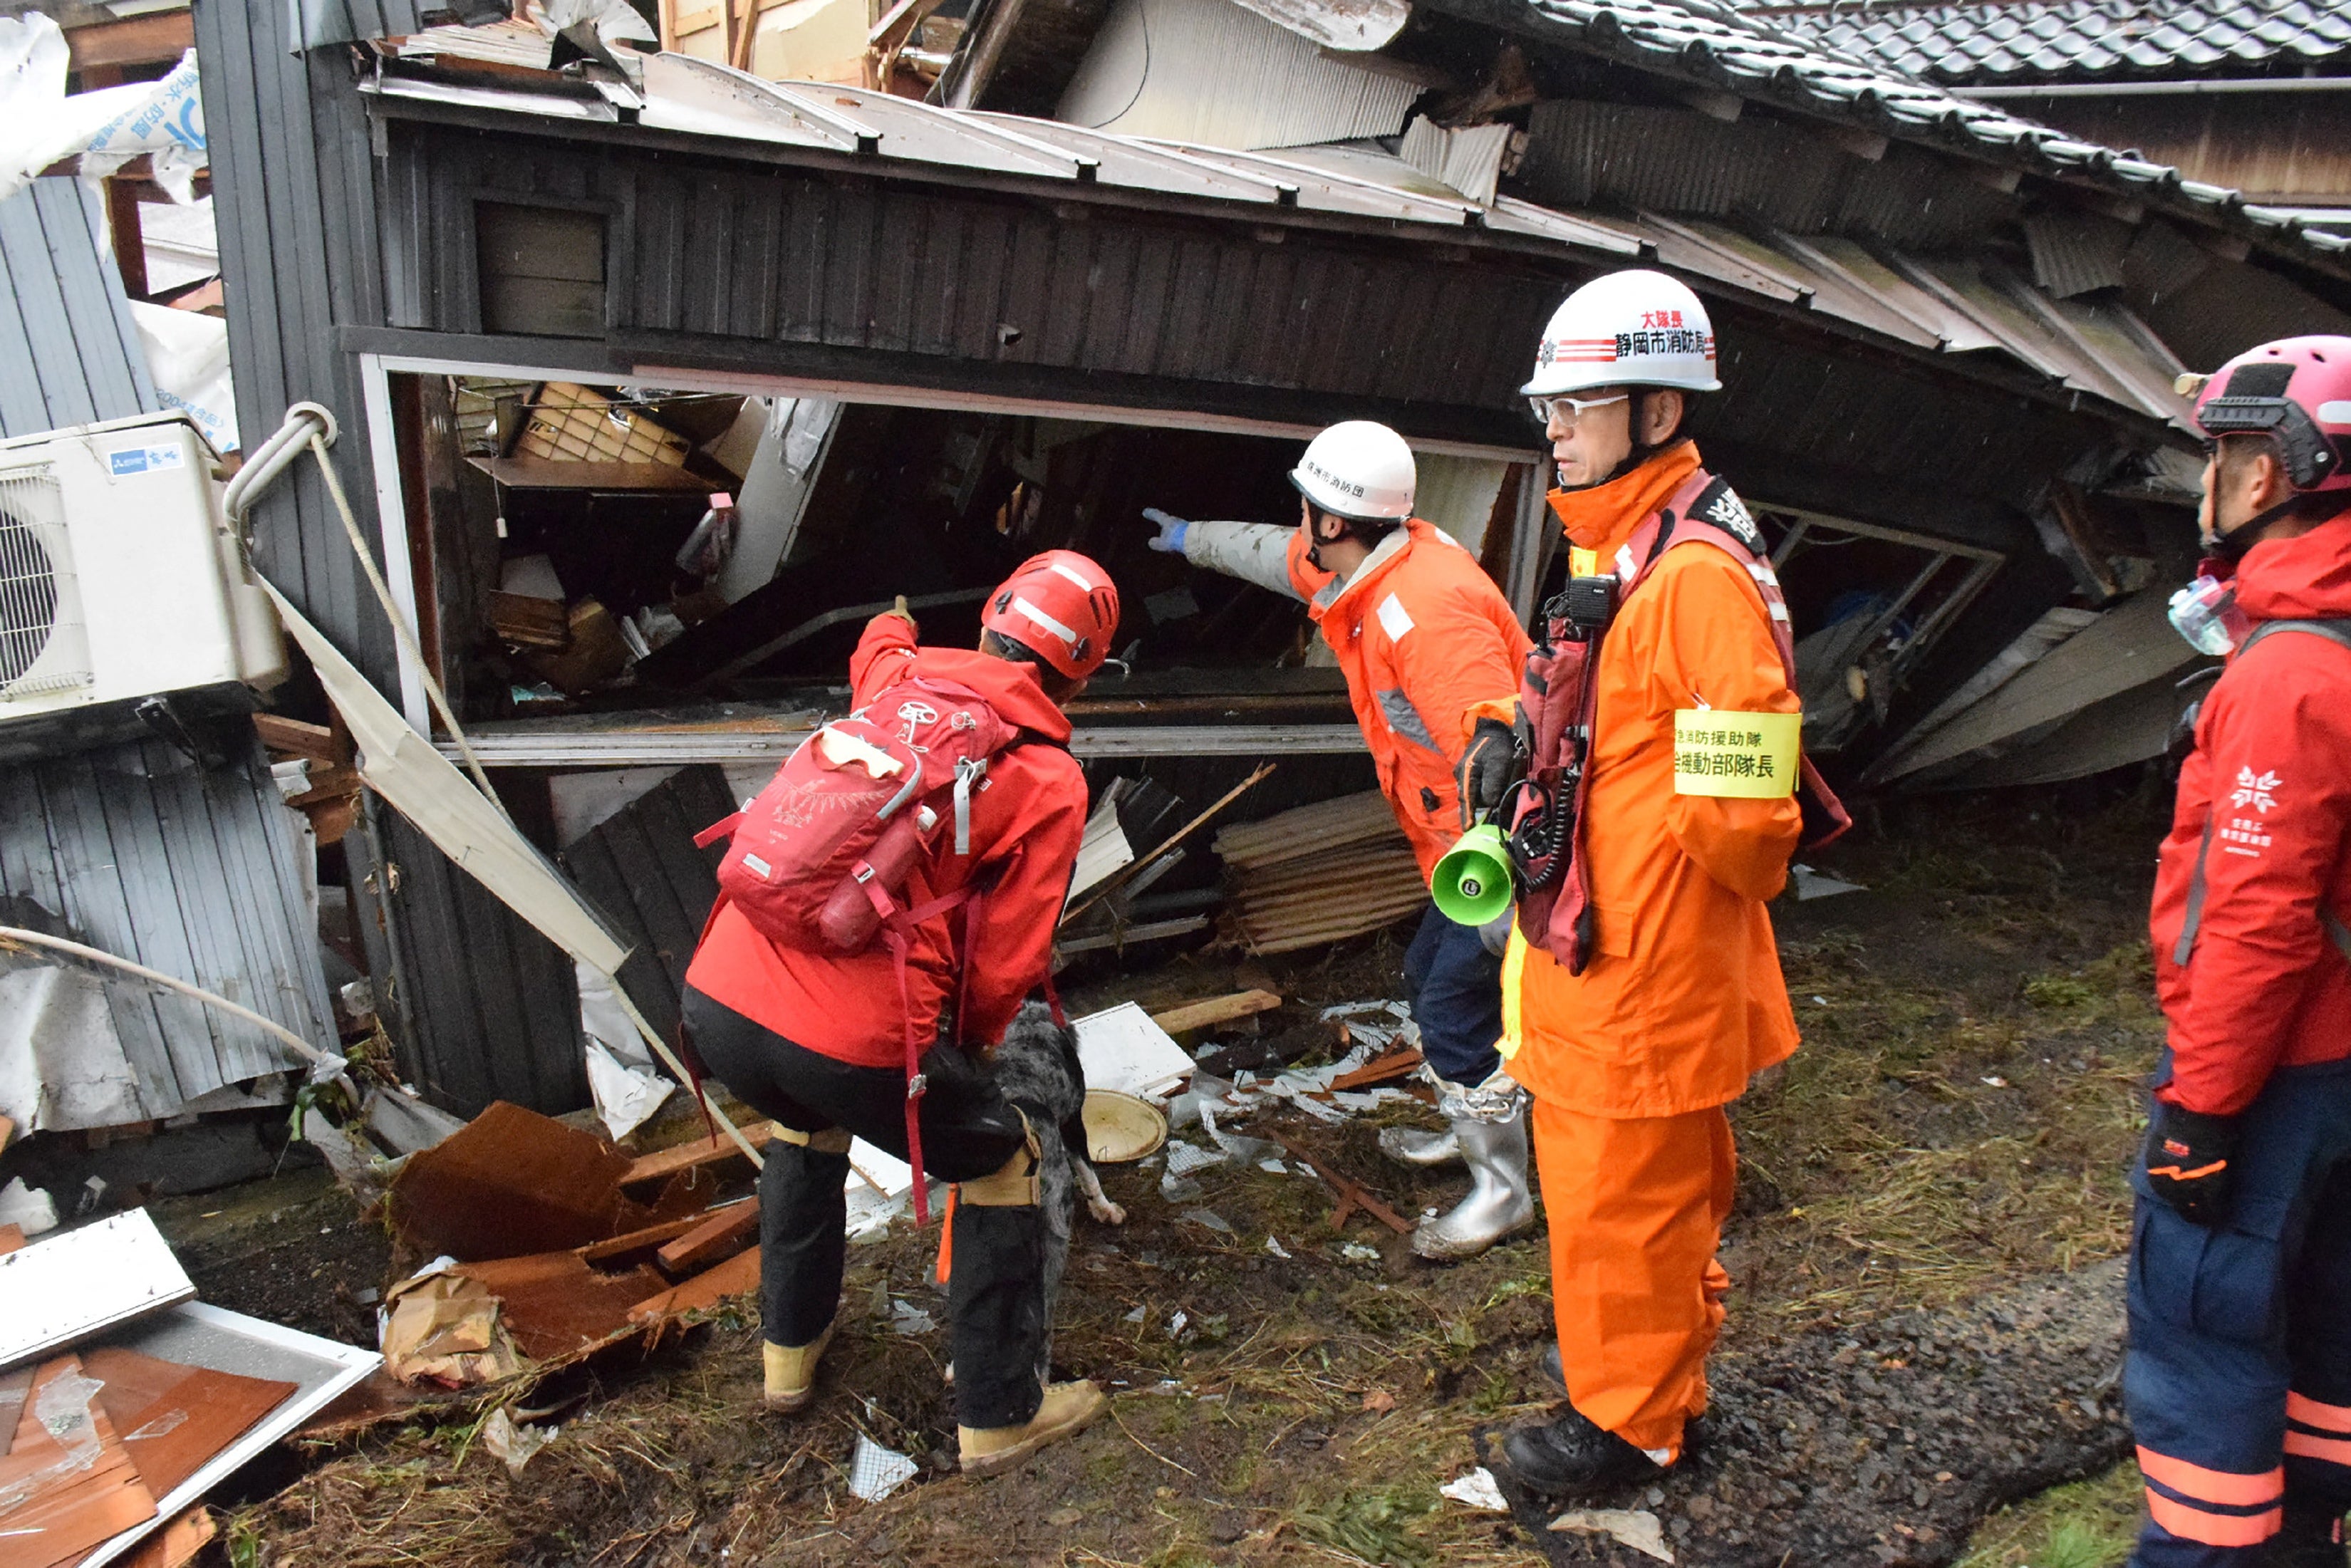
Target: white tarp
(41,124)
(187,359)
(401,766)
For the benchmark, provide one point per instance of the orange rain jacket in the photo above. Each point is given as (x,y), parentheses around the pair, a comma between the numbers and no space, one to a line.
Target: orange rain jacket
(1422,635)
(1684,999)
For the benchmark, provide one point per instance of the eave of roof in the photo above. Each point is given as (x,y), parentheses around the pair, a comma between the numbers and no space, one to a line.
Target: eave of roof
(1945,311)
(1706,44)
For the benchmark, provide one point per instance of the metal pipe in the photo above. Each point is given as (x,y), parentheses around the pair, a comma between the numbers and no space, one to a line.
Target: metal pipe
(2156,89)
(326,1063)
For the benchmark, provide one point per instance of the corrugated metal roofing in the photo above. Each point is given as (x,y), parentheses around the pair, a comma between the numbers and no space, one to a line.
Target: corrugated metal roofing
(2081,40)
(318,21)
(140,851)
(1921,306)
(69,352)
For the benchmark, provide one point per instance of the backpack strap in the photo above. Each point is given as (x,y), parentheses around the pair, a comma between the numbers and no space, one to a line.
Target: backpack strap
(2337,632)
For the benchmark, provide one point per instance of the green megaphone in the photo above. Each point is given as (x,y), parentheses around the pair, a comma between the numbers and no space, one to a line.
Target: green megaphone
(1472,884)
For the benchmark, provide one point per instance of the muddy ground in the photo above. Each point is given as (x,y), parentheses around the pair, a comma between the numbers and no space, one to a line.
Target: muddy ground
(1924,1325)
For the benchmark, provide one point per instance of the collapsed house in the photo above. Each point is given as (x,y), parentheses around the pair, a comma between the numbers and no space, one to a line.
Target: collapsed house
(663,375)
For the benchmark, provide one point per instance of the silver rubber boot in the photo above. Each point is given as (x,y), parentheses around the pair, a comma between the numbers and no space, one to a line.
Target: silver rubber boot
(1499,1204)
(1419,1146)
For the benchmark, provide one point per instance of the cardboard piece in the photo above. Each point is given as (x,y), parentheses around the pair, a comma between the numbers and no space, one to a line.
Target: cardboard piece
(444,1329)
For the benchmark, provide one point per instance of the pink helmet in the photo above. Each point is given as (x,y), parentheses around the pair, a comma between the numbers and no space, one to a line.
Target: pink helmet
(2297,391)
(1061,604)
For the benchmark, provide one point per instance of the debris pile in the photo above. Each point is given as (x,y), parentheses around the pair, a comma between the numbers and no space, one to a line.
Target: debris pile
(122,1401)
(1319,874)
(547,1243)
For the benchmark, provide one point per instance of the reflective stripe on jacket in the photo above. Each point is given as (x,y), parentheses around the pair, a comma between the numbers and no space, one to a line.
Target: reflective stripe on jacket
(1422,635)
(1684,1000)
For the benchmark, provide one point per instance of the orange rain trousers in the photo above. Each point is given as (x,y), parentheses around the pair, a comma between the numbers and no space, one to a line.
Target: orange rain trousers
(1635,1206)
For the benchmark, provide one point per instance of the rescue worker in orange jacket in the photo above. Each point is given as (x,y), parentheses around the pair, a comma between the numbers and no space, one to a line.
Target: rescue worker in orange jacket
(1421,632)
(1646,998)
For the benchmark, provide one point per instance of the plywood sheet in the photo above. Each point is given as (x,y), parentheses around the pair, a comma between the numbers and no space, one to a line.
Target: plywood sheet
(173,1417)
(67,1485)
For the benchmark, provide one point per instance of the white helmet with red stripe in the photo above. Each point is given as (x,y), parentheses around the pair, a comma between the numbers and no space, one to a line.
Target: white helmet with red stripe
(1061,605)
(1638,329)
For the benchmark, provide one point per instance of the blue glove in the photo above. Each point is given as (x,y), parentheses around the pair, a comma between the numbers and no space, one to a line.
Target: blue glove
(1172,529)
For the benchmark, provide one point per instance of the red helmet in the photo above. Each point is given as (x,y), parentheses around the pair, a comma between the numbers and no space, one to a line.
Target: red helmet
(2297,391)
(1063,605)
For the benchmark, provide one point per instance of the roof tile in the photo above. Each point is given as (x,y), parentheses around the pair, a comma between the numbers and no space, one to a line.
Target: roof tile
(2074,41)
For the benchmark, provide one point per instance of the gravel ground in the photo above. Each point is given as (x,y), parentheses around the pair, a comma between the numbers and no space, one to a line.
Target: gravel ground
(1883,1444)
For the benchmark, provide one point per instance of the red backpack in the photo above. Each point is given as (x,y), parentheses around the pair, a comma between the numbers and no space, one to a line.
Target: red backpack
(818,859)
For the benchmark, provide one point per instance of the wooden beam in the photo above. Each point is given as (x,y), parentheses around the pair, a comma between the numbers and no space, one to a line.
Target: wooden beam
(1212,1011)
(715,1240)
(669,26)
(159,37)
(665,1163)
(129,237)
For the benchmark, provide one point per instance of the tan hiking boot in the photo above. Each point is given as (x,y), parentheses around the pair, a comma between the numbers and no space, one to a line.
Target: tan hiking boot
(1067,1409)
(791,1373)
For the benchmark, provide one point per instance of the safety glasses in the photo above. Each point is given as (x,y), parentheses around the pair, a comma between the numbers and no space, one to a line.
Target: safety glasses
(1568,409)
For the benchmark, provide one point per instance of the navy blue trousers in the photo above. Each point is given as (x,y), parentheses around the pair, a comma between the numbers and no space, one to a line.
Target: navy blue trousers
(2239,1375)
(1455,988)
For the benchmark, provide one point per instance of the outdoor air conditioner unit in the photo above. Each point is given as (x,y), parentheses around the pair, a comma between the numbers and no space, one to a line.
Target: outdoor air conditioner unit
(120,578)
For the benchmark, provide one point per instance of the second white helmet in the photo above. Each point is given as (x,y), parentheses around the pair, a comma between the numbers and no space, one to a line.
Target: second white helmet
(1360,470)
(1637,327)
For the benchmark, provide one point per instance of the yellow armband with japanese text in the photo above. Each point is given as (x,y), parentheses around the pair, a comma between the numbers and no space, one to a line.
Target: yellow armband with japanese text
(1753,756)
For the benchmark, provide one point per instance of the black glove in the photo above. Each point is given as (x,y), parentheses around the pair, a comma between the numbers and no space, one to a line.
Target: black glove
(2190,1161)
(1487,770)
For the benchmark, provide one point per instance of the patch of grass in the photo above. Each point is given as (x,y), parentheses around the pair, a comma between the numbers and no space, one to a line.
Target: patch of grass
(1374,1524)
(2087,1525)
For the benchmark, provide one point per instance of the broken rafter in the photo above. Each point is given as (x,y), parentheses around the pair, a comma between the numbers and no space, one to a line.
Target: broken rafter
(1120,877)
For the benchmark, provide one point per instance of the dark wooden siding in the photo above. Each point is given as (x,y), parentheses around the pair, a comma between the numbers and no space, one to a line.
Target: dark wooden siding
(641,867)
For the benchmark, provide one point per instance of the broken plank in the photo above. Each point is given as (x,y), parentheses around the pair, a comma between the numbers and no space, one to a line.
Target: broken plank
(638,1240)
(1212,1011)
(701,1152)
(1386,1068)
(10,1237)
(732,1278)
(1354,1192)
(177,1543)
(291,735)
(718,1237)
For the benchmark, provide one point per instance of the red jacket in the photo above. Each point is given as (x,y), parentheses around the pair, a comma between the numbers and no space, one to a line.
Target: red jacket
(1026,821)
(2264,986)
